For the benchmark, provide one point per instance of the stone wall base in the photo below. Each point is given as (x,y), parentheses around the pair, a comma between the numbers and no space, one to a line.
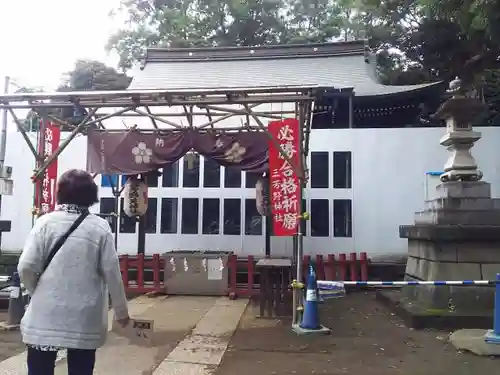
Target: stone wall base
(449,261)
(440,299)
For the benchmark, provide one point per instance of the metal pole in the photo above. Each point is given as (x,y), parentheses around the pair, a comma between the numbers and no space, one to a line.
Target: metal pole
(496,313)
(116,195)
(25,136)
(300,242)
(351,113)
(3,141)
(141,230)
(268,222)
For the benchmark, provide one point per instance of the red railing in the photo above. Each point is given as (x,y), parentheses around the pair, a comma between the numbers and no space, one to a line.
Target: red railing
(142,274)
(330,268)
(141,265)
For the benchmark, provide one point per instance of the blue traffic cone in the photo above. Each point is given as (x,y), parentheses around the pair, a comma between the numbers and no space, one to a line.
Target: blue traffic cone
(310,317)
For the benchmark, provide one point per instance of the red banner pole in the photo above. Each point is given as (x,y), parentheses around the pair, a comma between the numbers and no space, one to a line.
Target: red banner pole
(285,185)
(45,196)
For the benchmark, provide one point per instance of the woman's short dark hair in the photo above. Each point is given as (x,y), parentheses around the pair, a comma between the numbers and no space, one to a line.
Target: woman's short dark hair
(77,187)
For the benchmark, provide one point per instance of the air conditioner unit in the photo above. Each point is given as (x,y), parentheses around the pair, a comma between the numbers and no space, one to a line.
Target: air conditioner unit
(6,186)
(5,172)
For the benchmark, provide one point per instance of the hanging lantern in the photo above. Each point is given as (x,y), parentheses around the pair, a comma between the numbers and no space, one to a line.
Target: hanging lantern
(190,158)
(262,196)
(135,197)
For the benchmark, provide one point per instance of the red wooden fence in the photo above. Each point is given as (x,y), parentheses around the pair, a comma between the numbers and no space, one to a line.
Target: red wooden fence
(140,265)
(145,274)
(342,269)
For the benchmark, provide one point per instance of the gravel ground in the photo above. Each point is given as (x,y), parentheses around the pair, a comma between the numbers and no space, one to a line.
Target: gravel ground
(10,342)
(366,339)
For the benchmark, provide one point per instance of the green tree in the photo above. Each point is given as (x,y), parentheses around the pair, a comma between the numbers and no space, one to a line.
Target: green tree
(182,23)
(31,123)
(87,75)
(414,40)
(447,38)
(490,93)
(438,39)
(90,75)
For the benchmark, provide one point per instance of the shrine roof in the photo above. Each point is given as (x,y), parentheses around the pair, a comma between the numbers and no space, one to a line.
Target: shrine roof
(343,65)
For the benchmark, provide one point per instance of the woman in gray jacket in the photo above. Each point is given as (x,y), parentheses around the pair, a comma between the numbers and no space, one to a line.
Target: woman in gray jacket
(69,286)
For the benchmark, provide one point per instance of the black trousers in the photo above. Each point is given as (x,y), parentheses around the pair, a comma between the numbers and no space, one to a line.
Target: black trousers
(80,362)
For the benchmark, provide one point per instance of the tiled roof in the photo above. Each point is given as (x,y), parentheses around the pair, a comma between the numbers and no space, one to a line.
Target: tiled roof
(335,65)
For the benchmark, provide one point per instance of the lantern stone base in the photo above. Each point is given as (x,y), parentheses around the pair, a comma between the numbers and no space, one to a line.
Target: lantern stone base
(420,317)
(436,260)
(456,237)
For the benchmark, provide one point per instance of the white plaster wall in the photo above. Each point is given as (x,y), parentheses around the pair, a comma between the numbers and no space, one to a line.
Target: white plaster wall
(388,185)
(17,207)
(389,168)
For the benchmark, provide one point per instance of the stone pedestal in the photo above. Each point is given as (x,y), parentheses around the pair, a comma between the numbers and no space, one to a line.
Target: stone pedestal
(456,237)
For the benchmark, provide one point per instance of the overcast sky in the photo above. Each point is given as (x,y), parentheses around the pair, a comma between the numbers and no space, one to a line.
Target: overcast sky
(41,39)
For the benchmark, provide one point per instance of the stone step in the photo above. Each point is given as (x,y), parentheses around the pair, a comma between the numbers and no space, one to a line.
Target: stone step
(458,217)
(461,204)
(463,189)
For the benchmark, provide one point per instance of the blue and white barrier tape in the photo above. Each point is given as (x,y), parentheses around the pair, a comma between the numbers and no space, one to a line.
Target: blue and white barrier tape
(336,289)
(322,284)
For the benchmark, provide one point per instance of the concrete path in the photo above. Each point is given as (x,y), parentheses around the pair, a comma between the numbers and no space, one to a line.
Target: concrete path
(191,336)
(16,365)
(201,352)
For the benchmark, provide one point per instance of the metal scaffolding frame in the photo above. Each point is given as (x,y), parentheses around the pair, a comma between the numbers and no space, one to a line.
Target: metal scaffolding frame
(211,104)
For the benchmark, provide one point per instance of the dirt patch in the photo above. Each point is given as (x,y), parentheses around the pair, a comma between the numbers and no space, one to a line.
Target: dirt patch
(366,339)
(10,342)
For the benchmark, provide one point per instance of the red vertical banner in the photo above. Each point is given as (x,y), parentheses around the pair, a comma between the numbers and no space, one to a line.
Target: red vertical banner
(47,200)
(285,186)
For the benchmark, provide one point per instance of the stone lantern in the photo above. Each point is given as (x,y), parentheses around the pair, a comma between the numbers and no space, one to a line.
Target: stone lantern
(457,234)
(458,112)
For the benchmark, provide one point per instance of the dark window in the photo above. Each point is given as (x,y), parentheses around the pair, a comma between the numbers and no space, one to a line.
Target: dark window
(152,179)
(251,179)
(253,220)
(106,207)
(331,113)
(127,224)
(171,175)
(189,219)
(342,170)
(211,174)
(210,216)
(169,209)
(151,215)
(411,109)
(320,218)
(232,177)
(319,170)
(232,216)
(342,218)
(191,173)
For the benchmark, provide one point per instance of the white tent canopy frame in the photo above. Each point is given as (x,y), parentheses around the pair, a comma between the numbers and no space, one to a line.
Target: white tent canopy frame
(212,104)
